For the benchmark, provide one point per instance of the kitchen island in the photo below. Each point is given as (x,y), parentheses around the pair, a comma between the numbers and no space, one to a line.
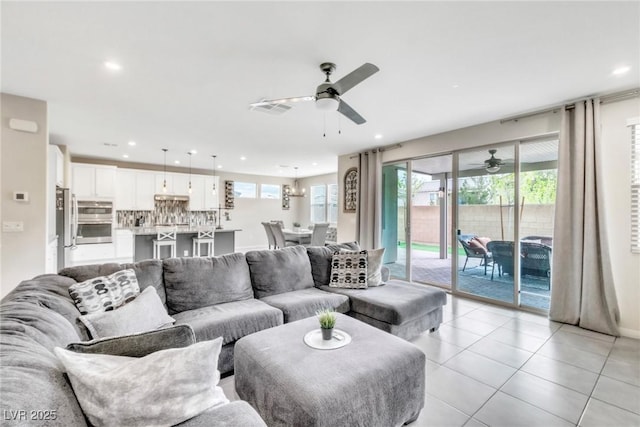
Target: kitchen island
(143,240)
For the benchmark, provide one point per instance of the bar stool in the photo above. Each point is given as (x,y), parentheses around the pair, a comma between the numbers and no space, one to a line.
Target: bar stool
(206,238)
(164,237)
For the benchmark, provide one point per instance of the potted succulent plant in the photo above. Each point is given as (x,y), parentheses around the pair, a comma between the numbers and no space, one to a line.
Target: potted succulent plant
(296,226)
(327,319)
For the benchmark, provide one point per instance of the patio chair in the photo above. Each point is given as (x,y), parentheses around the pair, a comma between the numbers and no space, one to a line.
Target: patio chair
(502,254)
(535,260)
(474,250)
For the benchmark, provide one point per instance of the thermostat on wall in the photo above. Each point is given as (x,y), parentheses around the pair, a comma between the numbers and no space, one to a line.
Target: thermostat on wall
(20,196)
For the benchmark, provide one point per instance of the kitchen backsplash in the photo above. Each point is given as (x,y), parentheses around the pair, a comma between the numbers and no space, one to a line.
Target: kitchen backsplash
(166,212)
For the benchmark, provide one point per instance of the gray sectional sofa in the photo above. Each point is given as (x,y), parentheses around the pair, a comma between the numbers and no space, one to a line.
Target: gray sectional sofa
(230,296)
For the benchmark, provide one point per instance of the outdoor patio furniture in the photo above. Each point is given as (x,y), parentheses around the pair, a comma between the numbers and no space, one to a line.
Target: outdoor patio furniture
(535,260)
(502,254)
(545,240)
(473,248)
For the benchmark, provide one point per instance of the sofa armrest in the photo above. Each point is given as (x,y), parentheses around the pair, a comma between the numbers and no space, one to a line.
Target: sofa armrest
(385,273)
(139,345)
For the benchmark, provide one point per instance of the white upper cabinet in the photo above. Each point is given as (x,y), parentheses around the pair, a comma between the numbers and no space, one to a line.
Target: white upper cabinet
(181,183)
(93,181)
(160,180)
(196,198)
(135,190)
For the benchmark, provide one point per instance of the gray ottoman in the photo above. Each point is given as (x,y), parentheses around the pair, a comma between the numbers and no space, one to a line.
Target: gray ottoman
(376,380)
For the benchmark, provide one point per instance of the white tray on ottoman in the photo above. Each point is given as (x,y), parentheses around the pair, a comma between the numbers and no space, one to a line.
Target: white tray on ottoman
(376,380)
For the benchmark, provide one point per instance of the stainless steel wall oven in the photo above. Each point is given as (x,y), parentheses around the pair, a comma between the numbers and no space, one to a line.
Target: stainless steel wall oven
(95,222)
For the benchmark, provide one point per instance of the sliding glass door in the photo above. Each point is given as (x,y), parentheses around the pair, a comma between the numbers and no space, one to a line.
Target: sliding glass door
(486,212)
(416,219)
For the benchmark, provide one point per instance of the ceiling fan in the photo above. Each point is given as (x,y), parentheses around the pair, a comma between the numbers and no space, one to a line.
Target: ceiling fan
(493,164)
(328,95)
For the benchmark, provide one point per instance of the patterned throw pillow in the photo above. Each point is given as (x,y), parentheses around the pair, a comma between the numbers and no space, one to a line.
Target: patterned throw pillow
(349,270)
(105,293)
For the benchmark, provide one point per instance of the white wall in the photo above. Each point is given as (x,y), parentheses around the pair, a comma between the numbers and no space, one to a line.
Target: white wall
(616,137)
(24,168)
(617,199)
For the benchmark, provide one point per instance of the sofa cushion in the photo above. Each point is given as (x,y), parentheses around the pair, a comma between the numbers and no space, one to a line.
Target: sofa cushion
(200,282)
(277,271)
(349,270)
(303,303)
(145,313)
(233,414)
(231,320)
(104,293)
(148,273)
(320,258)
(164,388)
(138,345)
(396,302)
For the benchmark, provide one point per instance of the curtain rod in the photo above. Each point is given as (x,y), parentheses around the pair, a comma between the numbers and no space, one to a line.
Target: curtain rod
(604,99)
(380,149)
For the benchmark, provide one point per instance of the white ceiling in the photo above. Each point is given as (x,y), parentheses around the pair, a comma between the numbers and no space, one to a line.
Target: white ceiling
(189,71)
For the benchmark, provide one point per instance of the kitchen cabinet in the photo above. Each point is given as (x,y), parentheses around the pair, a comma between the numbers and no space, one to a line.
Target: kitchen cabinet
(135,190)
(93,181)
(196,198)
(159,180)
(177,183)
(124,246)
(93,254)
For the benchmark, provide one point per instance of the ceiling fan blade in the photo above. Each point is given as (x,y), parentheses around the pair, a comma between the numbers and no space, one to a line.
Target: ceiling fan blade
(355,77)
(350,113)
(282,101)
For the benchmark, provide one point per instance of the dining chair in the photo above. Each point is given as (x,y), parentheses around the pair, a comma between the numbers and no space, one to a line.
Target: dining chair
(319,234)
(278,235)
(271,240)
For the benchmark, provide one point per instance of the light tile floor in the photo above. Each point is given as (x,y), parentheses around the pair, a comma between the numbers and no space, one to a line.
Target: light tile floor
(493,366)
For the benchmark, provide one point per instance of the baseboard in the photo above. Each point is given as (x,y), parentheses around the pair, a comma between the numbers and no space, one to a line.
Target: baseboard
(630,333)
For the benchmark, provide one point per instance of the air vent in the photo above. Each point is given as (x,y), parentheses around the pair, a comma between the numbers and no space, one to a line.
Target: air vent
(275,109)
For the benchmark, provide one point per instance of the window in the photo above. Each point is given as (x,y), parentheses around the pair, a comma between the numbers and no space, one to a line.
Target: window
(318,203)
(635,185)
(244,190)
(270,191)
(333,203)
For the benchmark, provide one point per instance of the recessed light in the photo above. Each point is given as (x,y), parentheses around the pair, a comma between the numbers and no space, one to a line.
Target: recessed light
(621,70)
(219,166)
(177,162)
(126,156)
(193,152)
(314,164)
(243,158)
(132,143)
(113,66)
(455,86)
(378,136)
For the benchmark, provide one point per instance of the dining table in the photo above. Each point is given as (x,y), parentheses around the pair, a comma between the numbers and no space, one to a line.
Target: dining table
(301,235)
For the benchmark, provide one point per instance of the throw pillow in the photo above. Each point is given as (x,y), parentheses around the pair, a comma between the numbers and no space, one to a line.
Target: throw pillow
(484,240)
(164,388)
(138,345)
(374,267)
(145,313)
(105,292)
(477,246)
(349,270)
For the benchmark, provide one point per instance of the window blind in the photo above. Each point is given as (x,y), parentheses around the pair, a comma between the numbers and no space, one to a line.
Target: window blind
(635,188)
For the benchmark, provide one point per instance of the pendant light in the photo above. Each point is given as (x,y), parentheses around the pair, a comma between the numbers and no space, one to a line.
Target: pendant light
(164,183)
(295,192)
(190,190)
(213,189)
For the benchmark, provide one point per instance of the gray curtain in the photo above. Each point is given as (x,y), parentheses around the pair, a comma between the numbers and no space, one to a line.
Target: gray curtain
(582,293)
(369,210)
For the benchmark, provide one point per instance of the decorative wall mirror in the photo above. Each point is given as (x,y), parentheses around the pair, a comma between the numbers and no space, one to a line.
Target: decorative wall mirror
(351,190)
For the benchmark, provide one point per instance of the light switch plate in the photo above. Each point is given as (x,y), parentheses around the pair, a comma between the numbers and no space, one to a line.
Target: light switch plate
(12,226)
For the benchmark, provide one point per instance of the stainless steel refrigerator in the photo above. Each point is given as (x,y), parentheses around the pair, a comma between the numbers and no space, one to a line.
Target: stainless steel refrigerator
(66,225)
